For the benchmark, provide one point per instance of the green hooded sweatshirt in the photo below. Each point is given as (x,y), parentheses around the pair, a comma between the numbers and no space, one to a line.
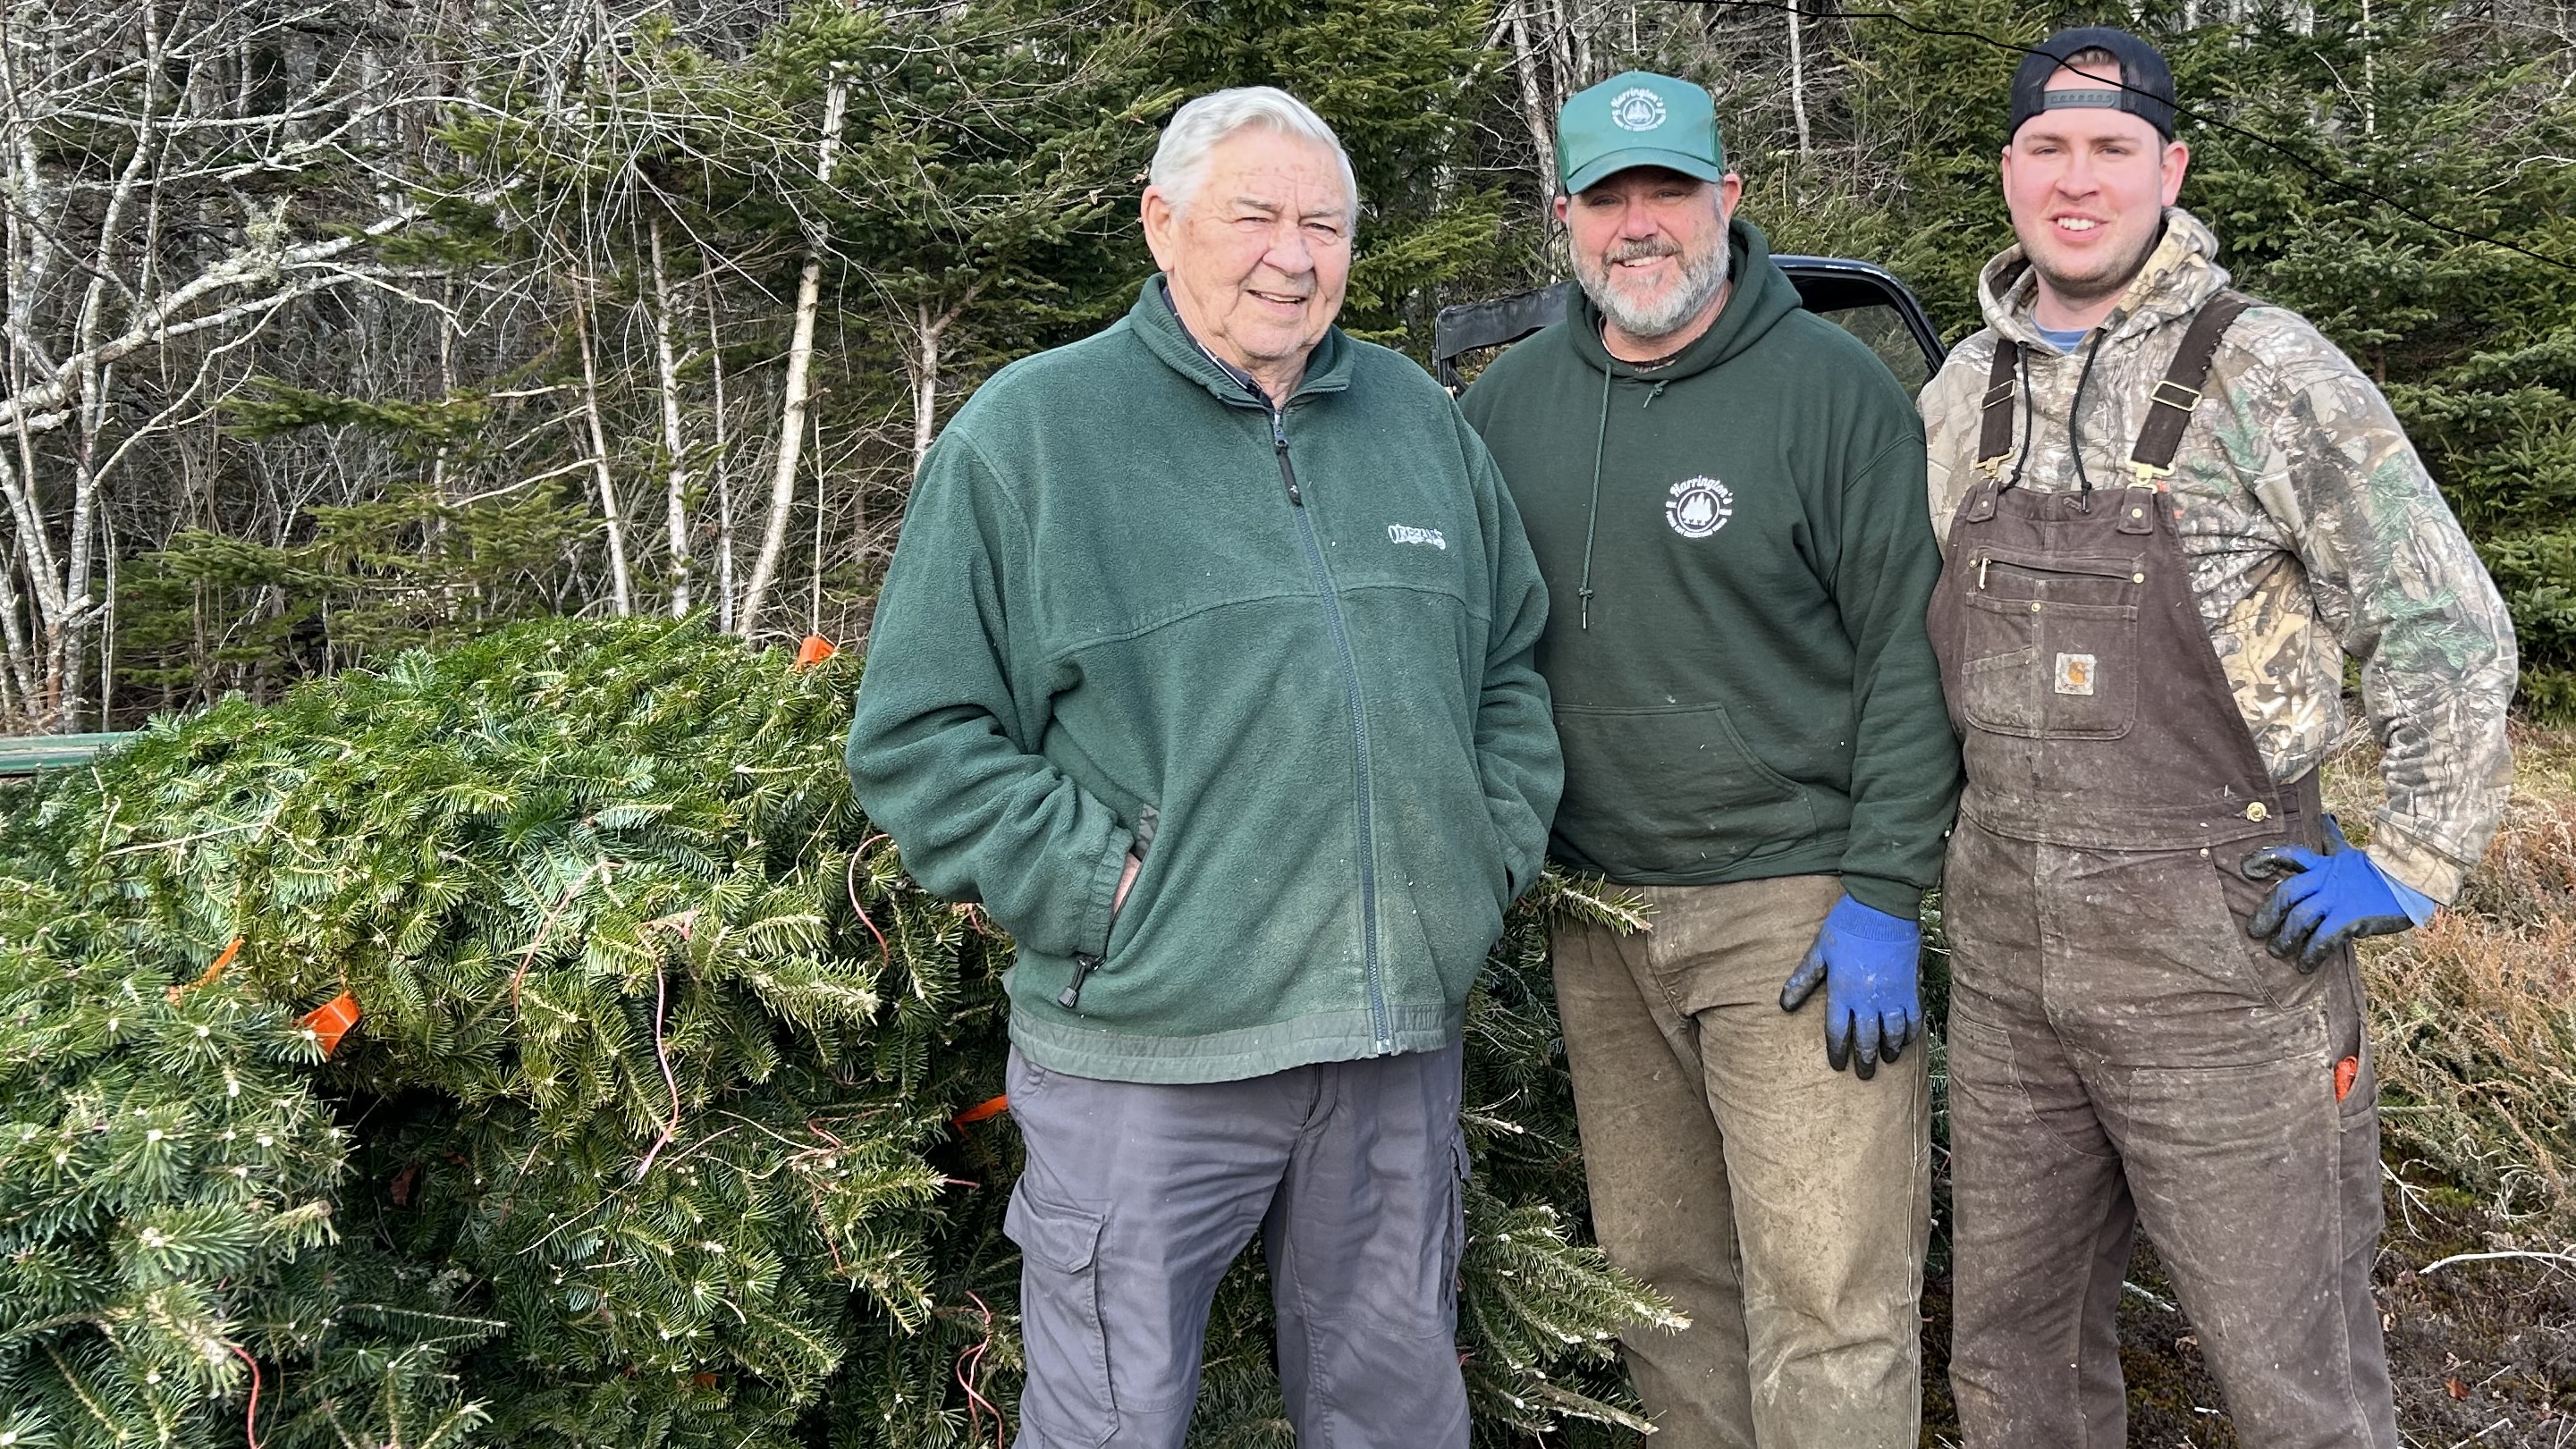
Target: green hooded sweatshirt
(1738,549)
(1284,657)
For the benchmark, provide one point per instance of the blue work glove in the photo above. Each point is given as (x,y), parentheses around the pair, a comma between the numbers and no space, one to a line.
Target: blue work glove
(2327,900)
(1866,960)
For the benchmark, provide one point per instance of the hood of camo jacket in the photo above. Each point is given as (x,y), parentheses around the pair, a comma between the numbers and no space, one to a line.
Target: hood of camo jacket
(1109,625)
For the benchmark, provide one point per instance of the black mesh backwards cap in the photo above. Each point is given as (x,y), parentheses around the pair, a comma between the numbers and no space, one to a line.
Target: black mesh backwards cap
(2146,88)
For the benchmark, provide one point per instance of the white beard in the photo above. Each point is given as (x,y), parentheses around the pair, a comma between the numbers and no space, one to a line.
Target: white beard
(1701,279)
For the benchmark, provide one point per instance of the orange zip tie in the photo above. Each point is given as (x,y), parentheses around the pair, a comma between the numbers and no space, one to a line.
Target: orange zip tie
(331,1020)
(2345,1071)
(977,1113)
(213,972)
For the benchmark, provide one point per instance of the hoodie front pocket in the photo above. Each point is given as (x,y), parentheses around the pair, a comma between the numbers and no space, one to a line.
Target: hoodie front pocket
(1670,791)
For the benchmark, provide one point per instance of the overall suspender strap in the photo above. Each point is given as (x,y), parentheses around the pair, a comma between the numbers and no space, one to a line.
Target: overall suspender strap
(1996,441)
(2169,409)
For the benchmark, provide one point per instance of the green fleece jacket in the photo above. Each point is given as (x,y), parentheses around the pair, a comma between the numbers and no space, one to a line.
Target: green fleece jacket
(1737,546)
(1284,657)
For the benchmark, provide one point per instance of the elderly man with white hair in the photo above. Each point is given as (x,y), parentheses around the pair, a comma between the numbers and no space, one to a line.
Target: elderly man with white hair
(1204,664)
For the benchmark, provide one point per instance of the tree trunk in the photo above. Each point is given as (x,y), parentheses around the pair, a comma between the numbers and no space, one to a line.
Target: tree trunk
(21,681)
(621,582)
(800,364)
(925,382)
(676,490)
(1525,64)
(1798,79)
(2369,75)
(926,334)
(723,464)
(814,610)
(107,623)
(1559,36)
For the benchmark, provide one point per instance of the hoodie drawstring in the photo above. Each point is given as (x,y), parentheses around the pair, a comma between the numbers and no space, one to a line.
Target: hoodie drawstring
(2029,415)
(1600,440)
(2075,423)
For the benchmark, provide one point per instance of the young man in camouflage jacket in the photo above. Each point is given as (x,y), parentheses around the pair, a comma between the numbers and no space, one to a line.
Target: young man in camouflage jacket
(2168,517)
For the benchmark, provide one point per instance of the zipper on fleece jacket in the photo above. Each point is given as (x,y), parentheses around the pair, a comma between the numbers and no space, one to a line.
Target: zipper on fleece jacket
(1359,729)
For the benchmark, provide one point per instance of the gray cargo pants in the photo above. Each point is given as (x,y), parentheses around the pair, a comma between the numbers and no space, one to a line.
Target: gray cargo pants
(1137,1197)
(1780,1204)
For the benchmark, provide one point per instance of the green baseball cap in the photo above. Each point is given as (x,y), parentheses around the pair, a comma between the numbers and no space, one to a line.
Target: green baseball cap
(1638,118)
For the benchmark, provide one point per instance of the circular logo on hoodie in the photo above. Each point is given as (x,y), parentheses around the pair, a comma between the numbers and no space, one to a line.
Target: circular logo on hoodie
(1698,507)
(1636,109)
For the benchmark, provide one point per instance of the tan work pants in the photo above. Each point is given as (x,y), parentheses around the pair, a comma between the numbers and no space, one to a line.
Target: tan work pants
(1780,1204)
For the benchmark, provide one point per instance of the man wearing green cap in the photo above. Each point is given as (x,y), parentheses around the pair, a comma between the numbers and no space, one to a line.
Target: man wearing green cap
(1723,491)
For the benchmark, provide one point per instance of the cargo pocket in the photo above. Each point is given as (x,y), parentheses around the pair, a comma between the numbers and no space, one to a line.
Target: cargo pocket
(1067,1399)
(2051,644)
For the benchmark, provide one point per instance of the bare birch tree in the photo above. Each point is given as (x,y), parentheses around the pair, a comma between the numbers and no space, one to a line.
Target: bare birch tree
(676,482)
(621,579)
(157,216)
(800,368)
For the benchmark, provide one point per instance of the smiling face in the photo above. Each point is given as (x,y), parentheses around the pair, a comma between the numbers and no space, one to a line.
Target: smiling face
(1649,247)
(2088,188)
(1258,252)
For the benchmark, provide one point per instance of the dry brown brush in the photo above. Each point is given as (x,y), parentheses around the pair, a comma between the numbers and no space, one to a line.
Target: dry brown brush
(2474,1016)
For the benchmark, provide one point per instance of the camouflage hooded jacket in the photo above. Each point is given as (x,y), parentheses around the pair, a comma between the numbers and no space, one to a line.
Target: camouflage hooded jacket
(2312,529)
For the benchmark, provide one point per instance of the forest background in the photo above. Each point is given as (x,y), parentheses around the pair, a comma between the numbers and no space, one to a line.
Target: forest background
(337,327)
(333,328)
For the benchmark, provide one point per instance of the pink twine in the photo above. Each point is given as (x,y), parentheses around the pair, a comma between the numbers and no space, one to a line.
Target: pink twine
(850,882)
(662,1054)
(250,1421)
(976,1403)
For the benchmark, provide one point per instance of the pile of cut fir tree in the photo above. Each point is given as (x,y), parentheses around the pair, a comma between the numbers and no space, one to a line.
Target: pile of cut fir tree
(657,1120)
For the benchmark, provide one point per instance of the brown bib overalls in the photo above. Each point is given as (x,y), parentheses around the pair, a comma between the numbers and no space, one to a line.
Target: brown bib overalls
(2122,1054)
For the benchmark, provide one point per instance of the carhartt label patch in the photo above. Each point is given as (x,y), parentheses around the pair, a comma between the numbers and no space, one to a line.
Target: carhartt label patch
(2075,674)
(1698,507)
(1401,533)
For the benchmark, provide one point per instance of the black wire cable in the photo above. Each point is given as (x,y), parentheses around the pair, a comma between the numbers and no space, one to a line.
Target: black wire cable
(2304,164)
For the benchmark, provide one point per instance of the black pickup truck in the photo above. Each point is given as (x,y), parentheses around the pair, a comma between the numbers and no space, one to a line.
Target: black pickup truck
(1866,300)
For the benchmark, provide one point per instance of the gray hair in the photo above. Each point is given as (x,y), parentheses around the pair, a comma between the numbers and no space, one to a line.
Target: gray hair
(1180,161)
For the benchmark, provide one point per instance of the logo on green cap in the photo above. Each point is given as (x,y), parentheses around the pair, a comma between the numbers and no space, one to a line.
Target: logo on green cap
(1637,118)
(1637,109)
